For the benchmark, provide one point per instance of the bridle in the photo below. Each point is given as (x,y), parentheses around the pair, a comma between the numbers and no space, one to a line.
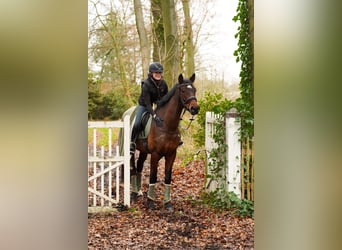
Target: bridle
(187,100)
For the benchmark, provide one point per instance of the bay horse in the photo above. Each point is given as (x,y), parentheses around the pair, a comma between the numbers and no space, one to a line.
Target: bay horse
(163,141)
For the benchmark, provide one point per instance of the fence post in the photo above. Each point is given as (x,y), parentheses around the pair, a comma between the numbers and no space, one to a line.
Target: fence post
(233,125)
(210,143)
(127,184)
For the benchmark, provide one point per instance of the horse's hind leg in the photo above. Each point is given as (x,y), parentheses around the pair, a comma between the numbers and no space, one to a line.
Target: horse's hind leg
(135,190)
(140,166)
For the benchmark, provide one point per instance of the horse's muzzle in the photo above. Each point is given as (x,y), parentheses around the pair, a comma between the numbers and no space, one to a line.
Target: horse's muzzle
(194,110)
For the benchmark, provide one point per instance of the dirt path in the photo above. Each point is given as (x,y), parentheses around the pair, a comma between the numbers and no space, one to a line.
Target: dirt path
(191,225)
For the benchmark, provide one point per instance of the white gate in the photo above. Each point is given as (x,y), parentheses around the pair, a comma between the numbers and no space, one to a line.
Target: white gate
(233,153)
(104,165)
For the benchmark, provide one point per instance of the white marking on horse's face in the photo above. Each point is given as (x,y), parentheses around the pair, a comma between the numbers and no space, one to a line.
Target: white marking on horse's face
(189,87)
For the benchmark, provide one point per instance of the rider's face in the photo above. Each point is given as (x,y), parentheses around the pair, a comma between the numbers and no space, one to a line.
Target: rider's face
(157,75)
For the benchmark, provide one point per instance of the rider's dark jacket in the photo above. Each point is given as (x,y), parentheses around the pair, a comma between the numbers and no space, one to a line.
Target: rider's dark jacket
(151,92)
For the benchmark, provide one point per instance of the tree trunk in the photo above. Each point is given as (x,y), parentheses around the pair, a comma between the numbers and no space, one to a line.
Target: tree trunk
(189,45)
(157,31)
(171,61)
(119,58)
(144,44)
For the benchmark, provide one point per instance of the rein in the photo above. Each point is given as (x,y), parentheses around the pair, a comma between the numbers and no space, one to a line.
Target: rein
(191,119)
(184,102)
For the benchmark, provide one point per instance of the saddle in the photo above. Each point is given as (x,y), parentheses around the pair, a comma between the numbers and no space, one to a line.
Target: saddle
(146,121)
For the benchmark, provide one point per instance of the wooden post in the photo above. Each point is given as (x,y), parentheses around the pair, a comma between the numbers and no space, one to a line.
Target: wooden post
(102,176)
(117,176)
(233,152)
(210,144)
(110,164)
(94,165)
(127,183)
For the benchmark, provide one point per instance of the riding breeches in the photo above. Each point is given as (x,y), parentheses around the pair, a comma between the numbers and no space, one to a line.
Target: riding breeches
(137,123)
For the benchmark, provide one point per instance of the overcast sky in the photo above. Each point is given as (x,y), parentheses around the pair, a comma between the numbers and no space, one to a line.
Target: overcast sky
(219,51)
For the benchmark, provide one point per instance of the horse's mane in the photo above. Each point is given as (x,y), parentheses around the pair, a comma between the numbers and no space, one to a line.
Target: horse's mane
(166,98)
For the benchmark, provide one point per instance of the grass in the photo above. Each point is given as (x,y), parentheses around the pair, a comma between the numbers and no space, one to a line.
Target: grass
(102,135)
(188,151)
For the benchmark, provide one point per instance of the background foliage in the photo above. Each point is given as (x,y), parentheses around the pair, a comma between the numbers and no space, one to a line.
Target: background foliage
(211,102)
(244,53)
(108,105)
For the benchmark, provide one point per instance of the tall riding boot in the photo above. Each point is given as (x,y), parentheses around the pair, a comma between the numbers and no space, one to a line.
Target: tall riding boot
(134,137)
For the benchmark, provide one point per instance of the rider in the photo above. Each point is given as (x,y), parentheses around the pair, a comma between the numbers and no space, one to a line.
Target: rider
(153,88)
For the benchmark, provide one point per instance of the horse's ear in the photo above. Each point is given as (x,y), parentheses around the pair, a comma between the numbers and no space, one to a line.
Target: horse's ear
(180,78)
(192,78)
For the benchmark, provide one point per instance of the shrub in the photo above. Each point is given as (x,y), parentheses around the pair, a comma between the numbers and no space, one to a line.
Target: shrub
(107,106)
(212,103)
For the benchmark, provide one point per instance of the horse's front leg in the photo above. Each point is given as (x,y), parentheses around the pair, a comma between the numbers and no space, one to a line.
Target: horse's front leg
(136,175)
(151,196)
(169,160)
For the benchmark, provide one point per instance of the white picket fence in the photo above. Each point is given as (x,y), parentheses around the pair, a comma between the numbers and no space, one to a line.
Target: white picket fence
(104,166)
(233,152)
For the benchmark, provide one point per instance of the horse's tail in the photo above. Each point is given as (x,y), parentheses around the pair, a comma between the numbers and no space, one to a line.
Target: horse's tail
(131,112)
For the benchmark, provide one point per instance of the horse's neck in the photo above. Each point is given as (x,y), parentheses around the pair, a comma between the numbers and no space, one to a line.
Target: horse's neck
(172,112)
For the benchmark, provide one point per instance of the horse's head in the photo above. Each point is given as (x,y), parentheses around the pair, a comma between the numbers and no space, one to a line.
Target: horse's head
(187,93)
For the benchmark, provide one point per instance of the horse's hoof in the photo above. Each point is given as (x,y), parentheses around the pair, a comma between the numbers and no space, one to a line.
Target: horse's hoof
(150,204)
(168,206)
(134,197)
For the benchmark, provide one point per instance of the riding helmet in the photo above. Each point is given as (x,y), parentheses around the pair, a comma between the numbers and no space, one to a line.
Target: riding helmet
(156,67)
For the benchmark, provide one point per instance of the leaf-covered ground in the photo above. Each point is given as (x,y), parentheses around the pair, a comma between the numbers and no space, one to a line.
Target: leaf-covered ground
(192,225)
